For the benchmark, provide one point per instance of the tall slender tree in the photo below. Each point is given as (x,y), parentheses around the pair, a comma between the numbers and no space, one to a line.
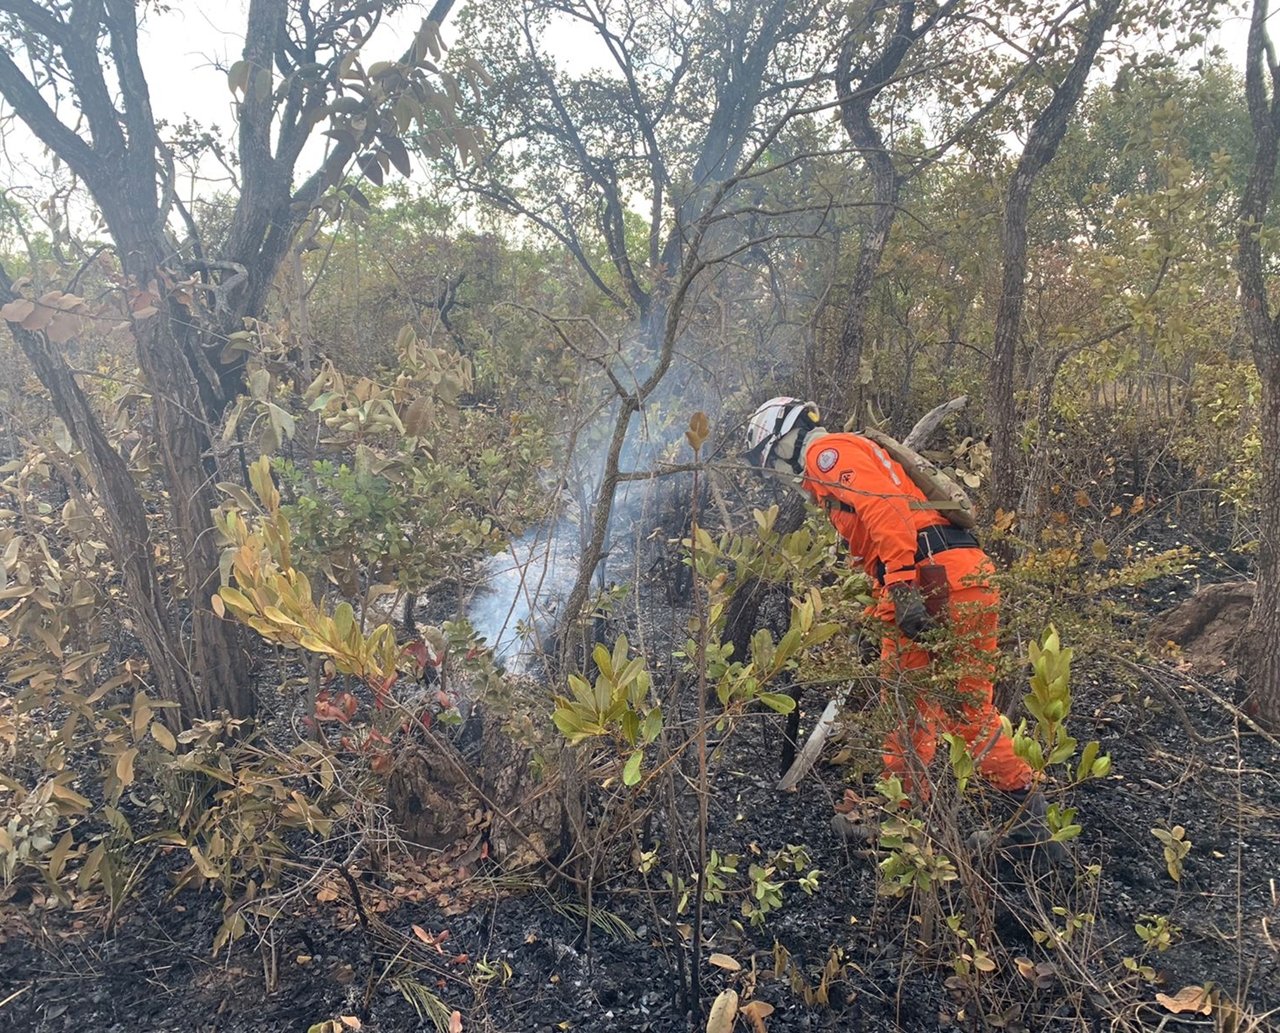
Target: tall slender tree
(1261,659)
(1043,137)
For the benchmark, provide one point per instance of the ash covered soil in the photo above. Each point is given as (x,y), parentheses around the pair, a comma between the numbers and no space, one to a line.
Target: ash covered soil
(518,957)
(59,971)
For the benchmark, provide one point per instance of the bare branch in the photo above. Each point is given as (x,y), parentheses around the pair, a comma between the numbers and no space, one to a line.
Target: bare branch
(48,128)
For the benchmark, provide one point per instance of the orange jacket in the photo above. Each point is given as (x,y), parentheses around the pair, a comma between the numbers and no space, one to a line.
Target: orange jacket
(847,470)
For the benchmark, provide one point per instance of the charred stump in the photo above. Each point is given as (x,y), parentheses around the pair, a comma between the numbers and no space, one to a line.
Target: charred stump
(491,779)
(1208,629)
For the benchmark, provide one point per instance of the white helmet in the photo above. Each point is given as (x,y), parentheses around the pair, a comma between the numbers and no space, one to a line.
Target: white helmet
(772,422)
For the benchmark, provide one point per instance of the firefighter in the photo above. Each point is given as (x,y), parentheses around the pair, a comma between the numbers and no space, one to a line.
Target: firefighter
(877,509)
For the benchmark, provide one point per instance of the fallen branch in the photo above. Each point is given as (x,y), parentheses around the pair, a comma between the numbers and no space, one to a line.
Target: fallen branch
(920,434)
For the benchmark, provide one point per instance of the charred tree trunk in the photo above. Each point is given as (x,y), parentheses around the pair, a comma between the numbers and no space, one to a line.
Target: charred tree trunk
(1045,135)
(440,794)
(1260,665)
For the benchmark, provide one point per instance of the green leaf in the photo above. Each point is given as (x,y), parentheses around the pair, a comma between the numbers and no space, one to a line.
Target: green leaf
(1087,757)
(778,701)
(603,659)
(568,724)
(651,726)
(582,692)
(630,726)
(1062,753)
(631,770)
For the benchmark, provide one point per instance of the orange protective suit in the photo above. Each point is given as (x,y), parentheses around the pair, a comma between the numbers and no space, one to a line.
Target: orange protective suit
(868,498)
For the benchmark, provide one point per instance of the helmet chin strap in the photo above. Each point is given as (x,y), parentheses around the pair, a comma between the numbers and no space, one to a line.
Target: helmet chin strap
(787,455)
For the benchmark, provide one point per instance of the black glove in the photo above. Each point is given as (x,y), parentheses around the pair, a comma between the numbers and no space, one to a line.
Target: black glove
(909,611)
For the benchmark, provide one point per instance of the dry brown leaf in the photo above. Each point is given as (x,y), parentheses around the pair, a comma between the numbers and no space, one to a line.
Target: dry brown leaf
(724,1012)
(1188,999)
(350,1021)
(455,1022)
(63,327)
(431,940)
(725,962)
(755,1012)
(17,310)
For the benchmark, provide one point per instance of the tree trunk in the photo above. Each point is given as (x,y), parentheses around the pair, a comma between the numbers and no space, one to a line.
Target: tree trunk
(1260,657)
(847,392)
(1260,664)
(218,654)
(1002,417)
(859,86)
(1045,135)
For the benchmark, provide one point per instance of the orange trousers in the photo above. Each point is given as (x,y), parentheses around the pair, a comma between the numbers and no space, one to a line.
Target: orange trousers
(965,709)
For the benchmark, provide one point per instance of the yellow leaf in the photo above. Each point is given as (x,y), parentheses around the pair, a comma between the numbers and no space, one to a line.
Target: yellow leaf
(1099,550)
(58,858)
(725,962)
(218,606)
(163,736)
(141,715)
(124,766)
(1188,999)
(724,1012)
(73,800)
(280,617)
(237,600)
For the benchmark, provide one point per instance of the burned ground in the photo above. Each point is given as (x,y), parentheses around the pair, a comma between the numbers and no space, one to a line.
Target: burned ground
(521,959)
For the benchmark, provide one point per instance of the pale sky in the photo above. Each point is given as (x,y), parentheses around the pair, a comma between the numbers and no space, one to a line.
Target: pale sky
(187,48)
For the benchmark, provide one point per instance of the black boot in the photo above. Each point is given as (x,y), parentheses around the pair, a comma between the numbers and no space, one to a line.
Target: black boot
(1028,827)
(1020,824)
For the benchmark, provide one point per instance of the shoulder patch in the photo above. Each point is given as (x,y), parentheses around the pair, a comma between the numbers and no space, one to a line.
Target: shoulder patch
(827,459)
(846,477)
